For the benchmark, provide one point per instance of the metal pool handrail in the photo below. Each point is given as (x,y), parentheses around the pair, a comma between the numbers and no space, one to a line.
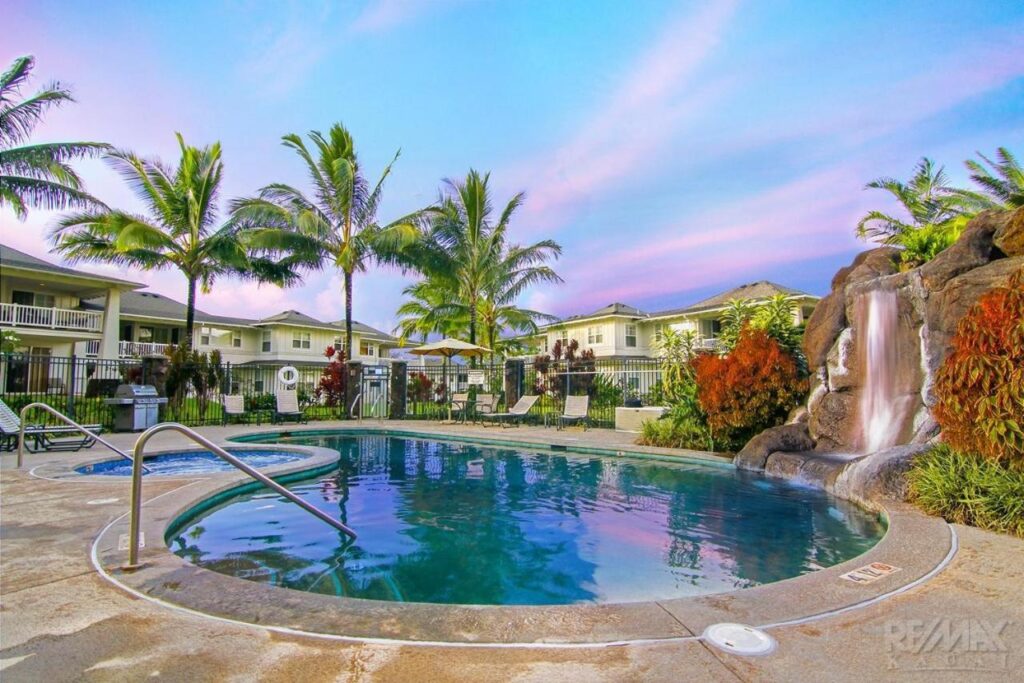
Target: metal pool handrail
(136,499)
(352,408)
(56,413)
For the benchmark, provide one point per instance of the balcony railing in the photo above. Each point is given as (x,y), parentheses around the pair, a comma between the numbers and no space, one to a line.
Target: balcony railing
(19,315)
(130,349)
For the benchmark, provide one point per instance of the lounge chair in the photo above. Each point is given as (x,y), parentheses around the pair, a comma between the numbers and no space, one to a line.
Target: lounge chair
(576,408)
(462,405)
(42,437)
(515,414)
(288,407)
(233,406)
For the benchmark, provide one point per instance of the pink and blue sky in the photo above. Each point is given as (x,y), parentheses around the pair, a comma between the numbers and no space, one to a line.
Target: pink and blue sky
(675,149)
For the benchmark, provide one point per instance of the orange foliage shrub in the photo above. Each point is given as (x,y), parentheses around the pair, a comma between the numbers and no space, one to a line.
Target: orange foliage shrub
(980,386)
(749,390)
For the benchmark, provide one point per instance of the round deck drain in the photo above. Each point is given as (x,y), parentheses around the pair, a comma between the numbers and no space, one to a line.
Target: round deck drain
(739,639)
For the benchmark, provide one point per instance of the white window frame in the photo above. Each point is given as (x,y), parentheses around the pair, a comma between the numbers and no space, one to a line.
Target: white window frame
(265,341)
(367,348)
(236,339)
(204,336)
(302,340)
(630,326)
(595,335)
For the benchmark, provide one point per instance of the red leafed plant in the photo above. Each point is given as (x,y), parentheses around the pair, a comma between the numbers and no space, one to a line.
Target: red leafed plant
(331,389)
(980,386)
(751,389)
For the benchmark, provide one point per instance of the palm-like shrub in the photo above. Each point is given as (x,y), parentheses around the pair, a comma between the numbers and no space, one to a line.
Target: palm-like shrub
(980,385)
(1000,182)
(37,175)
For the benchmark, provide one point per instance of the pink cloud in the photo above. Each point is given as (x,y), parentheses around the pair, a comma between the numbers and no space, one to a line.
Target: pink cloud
(380,15)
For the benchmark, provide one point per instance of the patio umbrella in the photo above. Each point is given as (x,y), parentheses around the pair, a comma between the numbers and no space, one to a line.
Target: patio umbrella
(447,348)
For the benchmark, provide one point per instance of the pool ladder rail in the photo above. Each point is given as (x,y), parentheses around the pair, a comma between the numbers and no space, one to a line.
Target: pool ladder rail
(376,409)
(61,416)
(136,495)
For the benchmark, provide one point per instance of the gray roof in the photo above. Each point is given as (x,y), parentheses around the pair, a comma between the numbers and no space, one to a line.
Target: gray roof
(610,309)
(753,290)
(19,259)
(151,304)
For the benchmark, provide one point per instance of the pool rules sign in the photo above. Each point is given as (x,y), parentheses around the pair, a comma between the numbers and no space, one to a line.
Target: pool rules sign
(476,377)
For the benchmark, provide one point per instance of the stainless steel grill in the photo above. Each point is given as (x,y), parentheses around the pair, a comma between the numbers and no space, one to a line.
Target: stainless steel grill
(136,407)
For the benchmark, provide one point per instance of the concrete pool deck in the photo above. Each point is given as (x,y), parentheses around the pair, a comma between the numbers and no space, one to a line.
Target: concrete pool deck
(61,620)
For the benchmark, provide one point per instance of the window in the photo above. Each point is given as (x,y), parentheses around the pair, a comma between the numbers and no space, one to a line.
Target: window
(631,335)
(33,299)
(204,336)
(659,332)
(562,336)
(236,339)
(544,344)
(145,334)
(257,386)
(595,335)
(338,345)
(265,345)
(367,349)
(301,340)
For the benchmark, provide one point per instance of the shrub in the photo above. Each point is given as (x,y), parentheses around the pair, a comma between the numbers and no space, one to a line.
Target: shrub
(749,390)
(420,387)
(331,387)
(678,428)
(927,242)
(966,489)
(980,386)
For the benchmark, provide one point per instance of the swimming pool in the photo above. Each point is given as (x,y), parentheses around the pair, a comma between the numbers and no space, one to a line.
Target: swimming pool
(461,523)
(184,463)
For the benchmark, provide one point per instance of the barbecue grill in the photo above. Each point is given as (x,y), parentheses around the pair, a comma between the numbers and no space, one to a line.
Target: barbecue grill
(136,407)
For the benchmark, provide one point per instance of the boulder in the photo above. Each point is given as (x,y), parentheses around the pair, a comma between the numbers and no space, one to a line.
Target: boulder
(790,437)
(974,249)
(1009,237)
(877,477)
(832,425)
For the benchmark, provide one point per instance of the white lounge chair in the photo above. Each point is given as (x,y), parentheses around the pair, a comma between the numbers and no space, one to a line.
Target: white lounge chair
(288,407)
(233,406)
(576,408)
(515,414)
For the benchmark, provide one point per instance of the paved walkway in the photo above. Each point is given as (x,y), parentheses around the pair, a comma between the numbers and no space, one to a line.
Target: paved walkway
(62,622)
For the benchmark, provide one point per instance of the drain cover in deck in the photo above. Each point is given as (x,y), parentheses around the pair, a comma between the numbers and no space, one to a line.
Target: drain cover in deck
(739,639)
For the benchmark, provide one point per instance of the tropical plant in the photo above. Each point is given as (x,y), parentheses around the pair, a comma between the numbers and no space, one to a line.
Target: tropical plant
(980,385)
(333,379)
(9,341)
(190,371)
(426,311)
(966,489)
(335,225)
(180,230)
(1001,183)
(927,198)
(467,254)
(775,317)
(676,349)
(748,390)
(734,318)
(37,175)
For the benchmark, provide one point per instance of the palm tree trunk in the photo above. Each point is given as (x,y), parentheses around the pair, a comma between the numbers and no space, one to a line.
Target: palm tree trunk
(348,316)
(472,328)
(190,314)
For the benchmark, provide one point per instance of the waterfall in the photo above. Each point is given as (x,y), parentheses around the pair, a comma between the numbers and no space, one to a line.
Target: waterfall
(881,407)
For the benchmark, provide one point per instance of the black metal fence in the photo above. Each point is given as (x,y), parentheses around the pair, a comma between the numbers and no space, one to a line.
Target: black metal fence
(77,387)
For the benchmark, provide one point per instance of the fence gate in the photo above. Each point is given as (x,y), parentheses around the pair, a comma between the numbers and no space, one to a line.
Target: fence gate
(375,389)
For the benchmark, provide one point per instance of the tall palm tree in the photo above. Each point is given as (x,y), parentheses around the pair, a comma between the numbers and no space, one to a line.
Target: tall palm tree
(469,252)
(1001,184)
(337,223)
(180,231)
(927,197)
(498,312)
(38,175)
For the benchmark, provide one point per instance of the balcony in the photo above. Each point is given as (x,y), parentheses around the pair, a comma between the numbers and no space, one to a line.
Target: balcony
(40,318)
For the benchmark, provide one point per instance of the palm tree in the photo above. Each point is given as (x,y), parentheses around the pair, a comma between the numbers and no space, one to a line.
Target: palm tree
(1002,187)
(426,311)
(927,197)
(39,175)
(180,231)
(497,311)
(469,254)
(337,224)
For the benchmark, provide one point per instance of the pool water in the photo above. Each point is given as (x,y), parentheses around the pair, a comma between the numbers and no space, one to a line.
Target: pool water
(181,463)
(460,523)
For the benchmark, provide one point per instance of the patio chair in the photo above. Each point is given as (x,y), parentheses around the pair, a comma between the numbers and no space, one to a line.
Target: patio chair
(288,407)
(233,406)
(514,415)
(461,406)
(575,410)
(42,437)
(486,404)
